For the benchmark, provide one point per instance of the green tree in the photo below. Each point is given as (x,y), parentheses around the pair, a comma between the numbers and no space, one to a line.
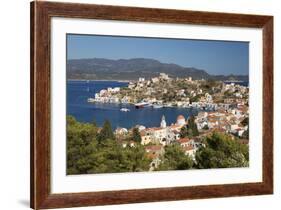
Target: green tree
(136,135)
(193,130)
(195,98)
(81,142)
(245,134)
(184,131)
(206,127)
(86,155)
(245,121)
(175,159)
(220,151)
(136,159)
(106,132)
(109,158)
(189,130)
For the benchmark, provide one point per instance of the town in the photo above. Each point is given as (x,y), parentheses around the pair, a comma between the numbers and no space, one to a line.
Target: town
(163,91)
(222,108)
(232,122)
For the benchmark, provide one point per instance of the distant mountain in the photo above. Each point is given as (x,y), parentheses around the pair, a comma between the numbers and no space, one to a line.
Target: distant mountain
(132,69)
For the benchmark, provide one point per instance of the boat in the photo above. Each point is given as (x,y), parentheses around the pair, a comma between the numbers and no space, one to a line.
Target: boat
(124,110)
(91,100)
(142,105)
(157,106)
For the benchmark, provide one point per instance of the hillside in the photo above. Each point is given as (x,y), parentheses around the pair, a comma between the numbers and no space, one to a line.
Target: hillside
(132,69)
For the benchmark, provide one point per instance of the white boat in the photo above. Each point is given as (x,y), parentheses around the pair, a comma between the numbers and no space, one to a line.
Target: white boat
(124,110)
(157,106)
(91,100)
(142,105)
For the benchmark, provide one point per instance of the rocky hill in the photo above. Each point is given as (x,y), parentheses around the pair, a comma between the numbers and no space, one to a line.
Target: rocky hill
(132,69)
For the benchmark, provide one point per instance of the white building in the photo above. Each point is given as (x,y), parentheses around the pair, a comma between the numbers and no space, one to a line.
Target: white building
(164,76)
(140,127)
(163,123)
(121,131)
(155,79)
(141,79)
(181,120)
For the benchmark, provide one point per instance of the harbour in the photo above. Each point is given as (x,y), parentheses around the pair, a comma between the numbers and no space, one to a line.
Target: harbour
(78,93)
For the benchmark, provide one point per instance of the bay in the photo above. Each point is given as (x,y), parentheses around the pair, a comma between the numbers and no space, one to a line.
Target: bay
(77,105)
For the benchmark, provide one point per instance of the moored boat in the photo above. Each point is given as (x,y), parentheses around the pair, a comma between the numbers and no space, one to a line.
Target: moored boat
(142,105)
(124,110)
(91,100)
(157,106)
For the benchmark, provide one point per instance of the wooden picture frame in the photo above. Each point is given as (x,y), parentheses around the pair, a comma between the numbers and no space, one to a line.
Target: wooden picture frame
(41,14)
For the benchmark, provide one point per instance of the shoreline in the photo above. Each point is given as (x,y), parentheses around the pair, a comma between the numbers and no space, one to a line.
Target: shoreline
(96,80)
(127,81)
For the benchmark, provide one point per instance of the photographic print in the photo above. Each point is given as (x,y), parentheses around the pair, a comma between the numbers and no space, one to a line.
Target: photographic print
(139,104)
(120,94)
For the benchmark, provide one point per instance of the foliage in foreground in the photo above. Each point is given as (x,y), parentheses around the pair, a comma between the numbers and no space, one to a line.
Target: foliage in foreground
(91,152)
(190,130)
(221,151)
(175,159)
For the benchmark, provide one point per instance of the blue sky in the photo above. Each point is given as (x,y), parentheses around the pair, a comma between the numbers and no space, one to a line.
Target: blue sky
(215,57)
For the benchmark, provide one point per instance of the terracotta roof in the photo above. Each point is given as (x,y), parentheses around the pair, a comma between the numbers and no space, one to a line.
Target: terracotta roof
(174,126)
(153,129)
(151,155)
(183,140)
(153,147)
(243,141)
(176,132)
(220,130)
(143,133)
(188,148)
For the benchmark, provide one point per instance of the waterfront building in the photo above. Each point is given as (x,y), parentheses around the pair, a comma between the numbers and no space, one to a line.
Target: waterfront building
(131,85)
(164,76)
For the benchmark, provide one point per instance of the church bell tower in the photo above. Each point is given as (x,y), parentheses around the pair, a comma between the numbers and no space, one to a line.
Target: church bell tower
(163,122)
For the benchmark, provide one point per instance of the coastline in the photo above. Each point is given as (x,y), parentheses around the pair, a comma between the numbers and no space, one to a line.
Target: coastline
(114,80)
(98,80)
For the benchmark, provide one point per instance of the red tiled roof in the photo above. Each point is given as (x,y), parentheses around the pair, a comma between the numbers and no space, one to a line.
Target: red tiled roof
(156,129)
(183,140)
(143,133)
(151,155)
(153,147)
(188,148)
